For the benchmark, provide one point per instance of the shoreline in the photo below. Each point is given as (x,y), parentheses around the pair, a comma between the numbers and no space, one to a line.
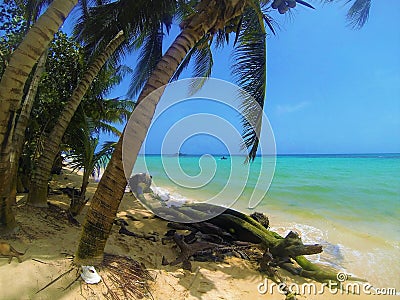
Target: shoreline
(357,253)
(360,252)
(47,236)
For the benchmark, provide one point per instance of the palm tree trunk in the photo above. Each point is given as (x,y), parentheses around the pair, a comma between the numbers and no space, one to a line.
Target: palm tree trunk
(7,219)
(77,204)
(11,89)
(85,183)
(42,170)
(22,123)
(109,193)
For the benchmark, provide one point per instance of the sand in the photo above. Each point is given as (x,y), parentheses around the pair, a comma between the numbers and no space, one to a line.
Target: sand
(50,241)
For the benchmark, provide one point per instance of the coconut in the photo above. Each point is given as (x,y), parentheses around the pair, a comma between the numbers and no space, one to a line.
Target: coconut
(276,4)
(291,3)
(283,8)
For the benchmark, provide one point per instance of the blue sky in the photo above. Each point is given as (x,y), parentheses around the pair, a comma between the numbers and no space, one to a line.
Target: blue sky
(330,89)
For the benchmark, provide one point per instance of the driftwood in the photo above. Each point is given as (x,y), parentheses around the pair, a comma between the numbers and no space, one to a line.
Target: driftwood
(123,230)
(231,228)
(188,250)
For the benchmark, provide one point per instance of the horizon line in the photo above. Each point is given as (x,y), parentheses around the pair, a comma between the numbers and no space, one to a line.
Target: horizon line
(287,154)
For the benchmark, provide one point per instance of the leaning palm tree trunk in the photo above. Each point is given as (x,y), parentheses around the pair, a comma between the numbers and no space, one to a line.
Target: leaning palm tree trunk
(22,123)
(42,170)
(105,202)
(11,90)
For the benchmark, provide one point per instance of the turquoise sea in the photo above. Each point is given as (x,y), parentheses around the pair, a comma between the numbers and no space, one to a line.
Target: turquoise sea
(348,203)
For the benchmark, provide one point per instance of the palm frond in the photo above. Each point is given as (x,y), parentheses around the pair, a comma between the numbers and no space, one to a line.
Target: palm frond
(184,9)
(149,56)
(116,110)
(33,9)
(358,13)
(270,23)
(133,17)
(82,145)
(305,4)
(102,157)
(220,39)
(107,128)
(249,70)
(203,63)
(185,62)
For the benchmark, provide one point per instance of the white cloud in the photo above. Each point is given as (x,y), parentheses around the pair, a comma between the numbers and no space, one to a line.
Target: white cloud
(290,108)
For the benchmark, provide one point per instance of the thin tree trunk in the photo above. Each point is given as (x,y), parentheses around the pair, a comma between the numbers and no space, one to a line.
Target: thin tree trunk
(7,218)
(11,90)
(85,182)
(22,124)
(42,170)
(109,193)
(78,203)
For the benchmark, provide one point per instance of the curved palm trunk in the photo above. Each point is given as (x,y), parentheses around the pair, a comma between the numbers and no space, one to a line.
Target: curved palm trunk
(109,193)
(11,90)
(41,173)
(22,123)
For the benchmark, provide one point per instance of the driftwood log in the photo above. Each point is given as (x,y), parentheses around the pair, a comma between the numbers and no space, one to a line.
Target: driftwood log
(234,231)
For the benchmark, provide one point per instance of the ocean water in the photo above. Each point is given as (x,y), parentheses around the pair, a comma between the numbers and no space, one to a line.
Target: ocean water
(348,203)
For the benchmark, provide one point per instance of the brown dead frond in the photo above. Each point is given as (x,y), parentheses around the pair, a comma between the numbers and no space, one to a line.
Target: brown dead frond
(125,278)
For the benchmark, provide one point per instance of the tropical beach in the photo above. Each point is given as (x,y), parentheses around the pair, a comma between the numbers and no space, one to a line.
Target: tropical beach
(160,149)
(328,199)
(51,241)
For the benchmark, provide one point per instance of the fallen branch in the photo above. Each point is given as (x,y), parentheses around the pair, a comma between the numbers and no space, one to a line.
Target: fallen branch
(188,250)
(42,262)
(54,280)
(75,280)
(123,230)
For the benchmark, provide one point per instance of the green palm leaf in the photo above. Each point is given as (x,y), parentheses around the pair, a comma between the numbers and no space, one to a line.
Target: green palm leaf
(102,157)
(358,13)
(103,22)
(149,56)
(186,61)
(250,70)
(203,63)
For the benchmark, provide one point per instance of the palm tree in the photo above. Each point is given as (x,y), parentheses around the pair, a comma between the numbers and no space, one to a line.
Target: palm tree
(137,31)
(82,154)
(38,187)
(139,28)
(22,123)
(209,18)
(12,84)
